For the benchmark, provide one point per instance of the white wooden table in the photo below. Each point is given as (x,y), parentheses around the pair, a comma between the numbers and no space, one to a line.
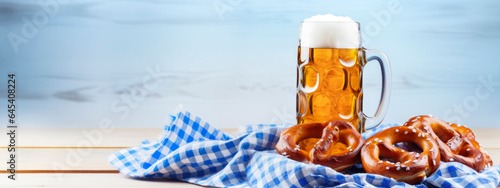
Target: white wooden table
(58,157)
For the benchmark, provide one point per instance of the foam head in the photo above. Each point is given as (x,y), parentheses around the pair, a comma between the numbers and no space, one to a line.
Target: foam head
(329,31)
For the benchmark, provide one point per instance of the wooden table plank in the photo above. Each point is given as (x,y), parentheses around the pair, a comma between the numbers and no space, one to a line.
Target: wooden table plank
(55,160)
(129,137)
(57,157)
(63,159)
(86,180)
(488,137)
(85,137)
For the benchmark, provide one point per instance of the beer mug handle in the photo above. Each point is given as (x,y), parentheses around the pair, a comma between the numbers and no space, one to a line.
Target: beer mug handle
(385,67)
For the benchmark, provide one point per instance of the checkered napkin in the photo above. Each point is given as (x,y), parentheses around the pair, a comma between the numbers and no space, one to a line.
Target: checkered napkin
(190,149)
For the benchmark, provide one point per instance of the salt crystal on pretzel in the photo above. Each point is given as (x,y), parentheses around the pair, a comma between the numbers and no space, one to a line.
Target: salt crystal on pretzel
(417,166)
(338,147)
(456,142)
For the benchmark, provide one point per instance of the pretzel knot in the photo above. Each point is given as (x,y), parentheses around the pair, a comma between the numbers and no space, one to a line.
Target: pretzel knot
(456,143)
(380,155)
(335,144)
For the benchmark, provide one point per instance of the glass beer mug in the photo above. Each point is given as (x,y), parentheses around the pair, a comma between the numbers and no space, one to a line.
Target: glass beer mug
(330,71)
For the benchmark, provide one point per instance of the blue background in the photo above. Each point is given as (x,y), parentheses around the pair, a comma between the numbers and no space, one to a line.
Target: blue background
(234,62)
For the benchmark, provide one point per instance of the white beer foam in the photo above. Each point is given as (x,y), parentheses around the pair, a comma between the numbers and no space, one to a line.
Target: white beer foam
(329,31)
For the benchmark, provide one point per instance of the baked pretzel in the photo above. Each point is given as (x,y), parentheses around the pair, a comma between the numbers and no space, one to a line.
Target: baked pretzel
(380,156)
(456,143)
(464,131)
(335,144)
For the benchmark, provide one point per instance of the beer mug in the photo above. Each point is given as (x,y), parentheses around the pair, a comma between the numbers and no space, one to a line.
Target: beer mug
(330,72)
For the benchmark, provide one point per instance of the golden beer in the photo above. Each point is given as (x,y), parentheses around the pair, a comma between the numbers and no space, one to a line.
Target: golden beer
(329,73)
(330,79)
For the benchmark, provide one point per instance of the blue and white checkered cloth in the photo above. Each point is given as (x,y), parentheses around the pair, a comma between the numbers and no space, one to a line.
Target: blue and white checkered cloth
(190,149)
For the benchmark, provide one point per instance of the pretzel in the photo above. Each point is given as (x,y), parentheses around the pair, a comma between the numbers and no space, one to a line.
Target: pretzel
(456,143)
(380,156)
(472,138)
(335,144)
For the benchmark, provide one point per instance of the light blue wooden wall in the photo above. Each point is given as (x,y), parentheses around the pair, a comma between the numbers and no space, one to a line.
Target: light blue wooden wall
(234,62)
